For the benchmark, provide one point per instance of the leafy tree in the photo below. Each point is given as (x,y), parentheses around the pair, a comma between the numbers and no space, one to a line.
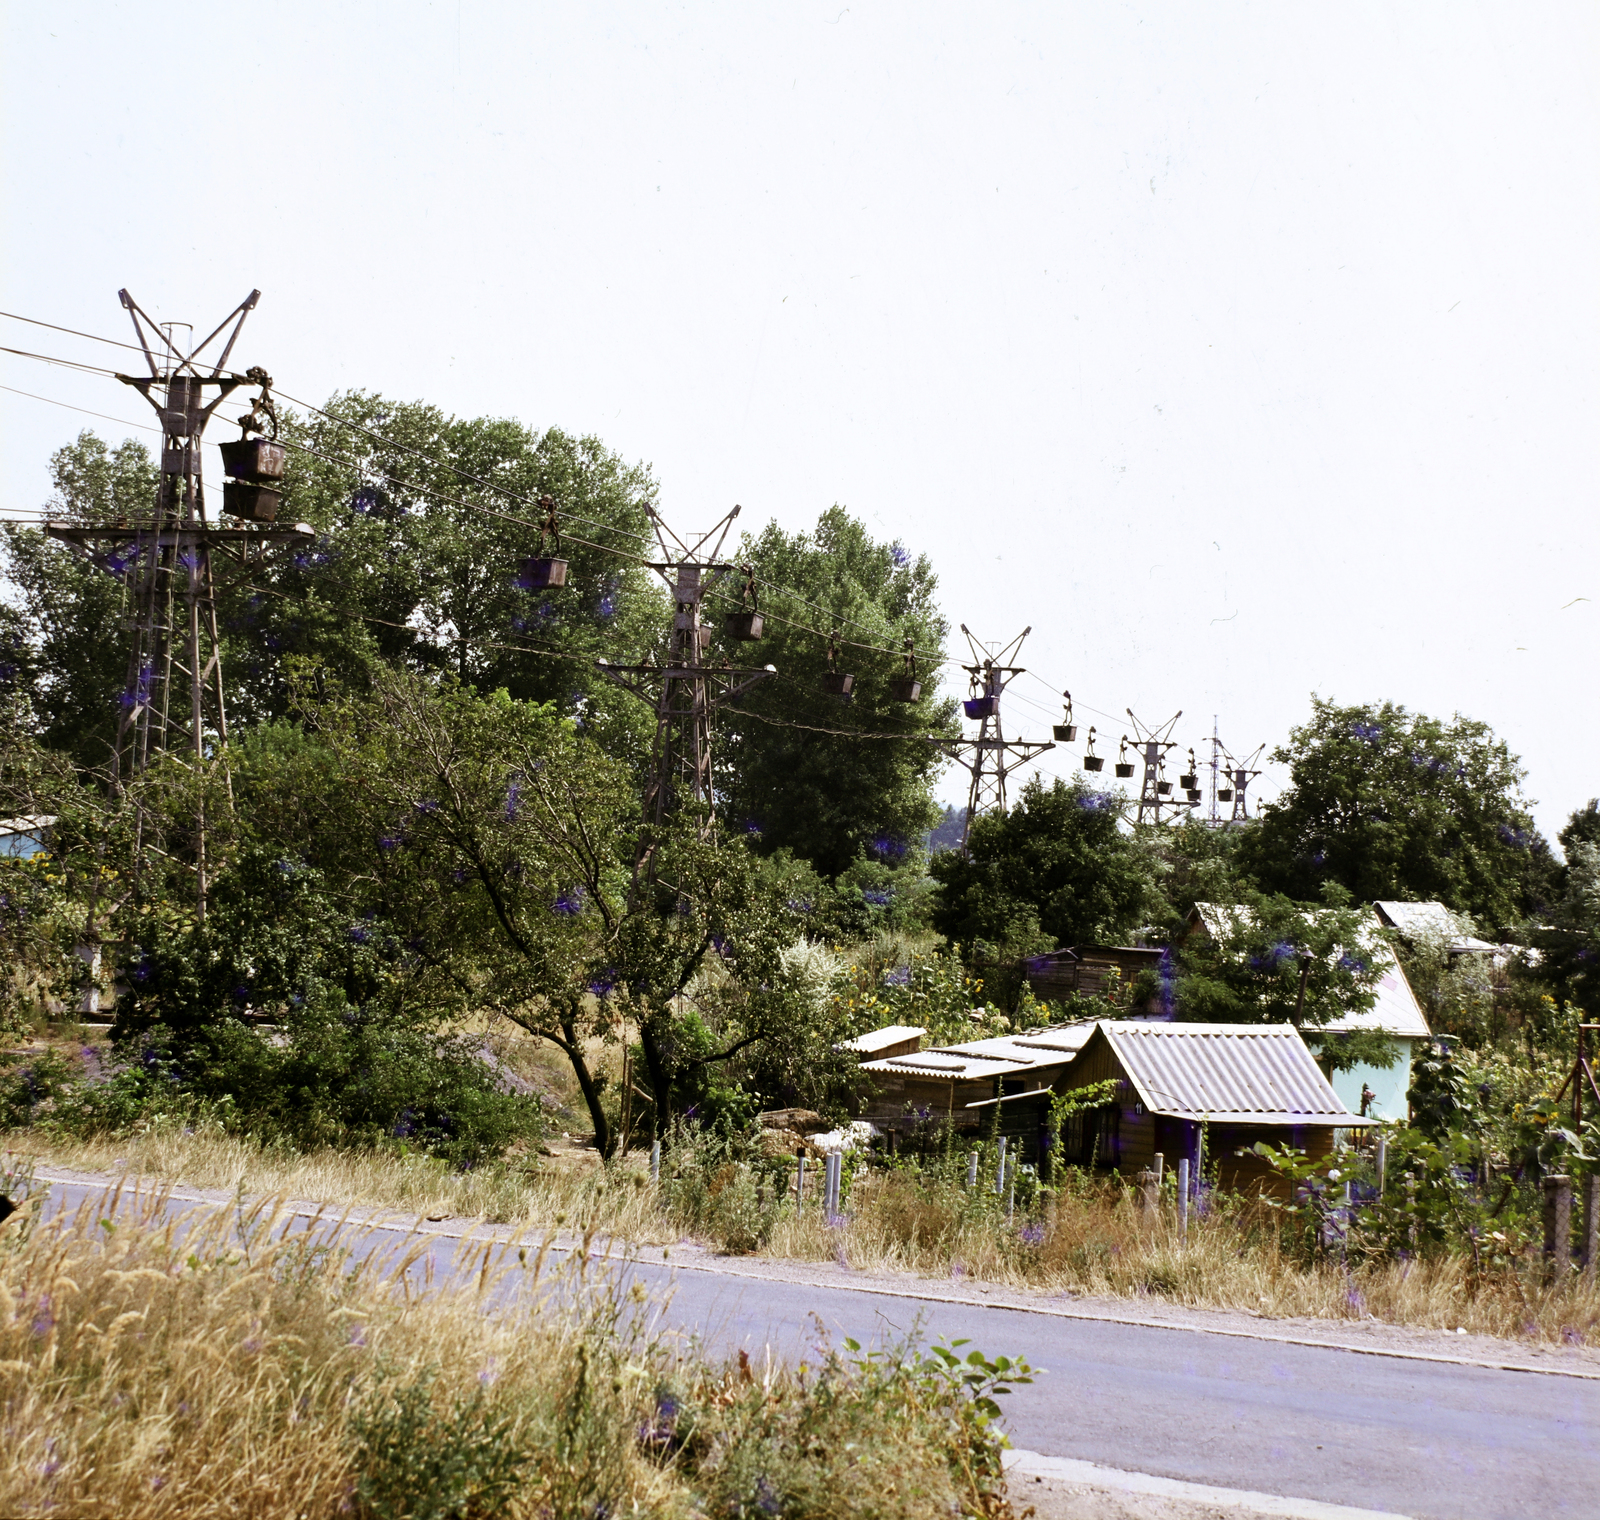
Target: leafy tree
(1392,804)
(1055,870)
(425,524)
(496,842)
(65,646)
(1246,965)
(812,788)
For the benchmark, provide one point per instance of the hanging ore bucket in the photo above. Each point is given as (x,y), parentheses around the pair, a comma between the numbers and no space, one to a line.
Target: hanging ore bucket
(981,707)
(1189,781)
(1164,788)
(539,574)
(242,498)
(1066,730)
(745,625)
(907,688)
(835,682)
(1224,794)
(1124,770)
(1092,761)
(1124,765)
(1194,793)
(258,459)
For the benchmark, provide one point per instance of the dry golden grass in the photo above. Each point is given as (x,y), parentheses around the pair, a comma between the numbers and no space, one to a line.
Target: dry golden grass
(1098,1242)
(186,1368)
(1095,1243)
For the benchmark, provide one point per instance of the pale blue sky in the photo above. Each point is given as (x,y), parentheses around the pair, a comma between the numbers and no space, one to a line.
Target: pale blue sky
(1242,350)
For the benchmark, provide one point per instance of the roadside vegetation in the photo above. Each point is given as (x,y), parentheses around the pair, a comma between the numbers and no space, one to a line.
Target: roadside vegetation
(428,958)
(218,1365)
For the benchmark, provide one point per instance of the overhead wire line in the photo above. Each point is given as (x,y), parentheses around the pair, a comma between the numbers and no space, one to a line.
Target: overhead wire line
(773,586)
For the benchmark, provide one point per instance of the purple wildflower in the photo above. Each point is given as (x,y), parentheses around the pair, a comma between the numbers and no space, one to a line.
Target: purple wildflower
(569,902)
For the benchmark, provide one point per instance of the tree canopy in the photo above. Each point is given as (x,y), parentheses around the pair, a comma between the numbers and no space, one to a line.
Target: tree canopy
(792,776)
(1055,870)
(1391,804)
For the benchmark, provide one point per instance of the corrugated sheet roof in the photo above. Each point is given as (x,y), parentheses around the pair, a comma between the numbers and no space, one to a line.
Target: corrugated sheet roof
(1432,920)
(999,1056)
(1229,1073)
(876,1039)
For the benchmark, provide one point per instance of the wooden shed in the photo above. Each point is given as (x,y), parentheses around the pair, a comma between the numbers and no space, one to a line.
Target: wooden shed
(1184,1086)
(1088,970)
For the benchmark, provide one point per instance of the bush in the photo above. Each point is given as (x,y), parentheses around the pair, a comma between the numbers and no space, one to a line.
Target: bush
(339,1079)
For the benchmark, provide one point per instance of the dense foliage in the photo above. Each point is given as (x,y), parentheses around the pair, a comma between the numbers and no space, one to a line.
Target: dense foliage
(1395,805)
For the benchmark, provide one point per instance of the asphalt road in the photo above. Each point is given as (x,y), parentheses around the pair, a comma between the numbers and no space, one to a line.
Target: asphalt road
(1417,1438)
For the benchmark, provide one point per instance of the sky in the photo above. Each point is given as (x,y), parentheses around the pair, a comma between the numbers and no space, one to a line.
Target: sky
(1242,351)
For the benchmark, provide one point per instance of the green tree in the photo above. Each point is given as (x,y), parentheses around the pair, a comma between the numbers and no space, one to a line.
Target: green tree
(791,772)
(63,639)
(1055,870)
(425,525)
(1391,804)
(1246,963)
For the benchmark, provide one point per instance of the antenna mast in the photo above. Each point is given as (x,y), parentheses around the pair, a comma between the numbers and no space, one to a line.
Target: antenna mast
(987,755)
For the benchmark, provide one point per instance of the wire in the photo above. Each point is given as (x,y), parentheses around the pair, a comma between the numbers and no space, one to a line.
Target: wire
(927,657)
(93,337)
(23,353)
(143,427)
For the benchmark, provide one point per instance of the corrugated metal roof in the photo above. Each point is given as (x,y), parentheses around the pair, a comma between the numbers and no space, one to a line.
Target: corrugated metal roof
(876,1039)
(1229,1073)
(1432,920)
(998,1056)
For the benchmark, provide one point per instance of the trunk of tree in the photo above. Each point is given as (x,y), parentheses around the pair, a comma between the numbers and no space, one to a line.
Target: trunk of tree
(572,1046)
(655,1061)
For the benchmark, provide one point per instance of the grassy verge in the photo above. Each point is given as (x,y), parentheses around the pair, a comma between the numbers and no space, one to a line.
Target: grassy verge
(149,1369)
(1094,1239)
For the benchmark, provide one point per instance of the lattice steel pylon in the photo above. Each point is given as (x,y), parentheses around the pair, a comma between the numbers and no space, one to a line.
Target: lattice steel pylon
(173,698)
(988,754)
(684,691)
(1155,791)
(1241,774)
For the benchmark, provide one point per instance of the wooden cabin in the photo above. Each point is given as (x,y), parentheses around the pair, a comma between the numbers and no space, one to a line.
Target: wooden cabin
(915,1086)
(1184,1086)
(1089,971)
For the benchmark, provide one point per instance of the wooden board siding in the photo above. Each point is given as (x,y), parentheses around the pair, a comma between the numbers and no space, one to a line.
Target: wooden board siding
(885,1105)
(1057,980)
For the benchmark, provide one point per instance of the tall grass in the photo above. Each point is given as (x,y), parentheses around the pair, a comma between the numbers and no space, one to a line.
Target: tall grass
(1092,1240)
(192,1368)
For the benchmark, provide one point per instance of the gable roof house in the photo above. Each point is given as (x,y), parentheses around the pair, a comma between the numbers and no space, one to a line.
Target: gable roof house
(1396,1013)
(1181,1087)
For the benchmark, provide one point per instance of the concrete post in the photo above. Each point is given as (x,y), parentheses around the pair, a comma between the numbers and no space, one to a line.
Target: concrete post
(655,1161)
(1000,1170)
(1183,1198)
(1591,1224)
(1149,1193)
(1558,1224)
(1382,1163)
(972,1170)
(799,1178)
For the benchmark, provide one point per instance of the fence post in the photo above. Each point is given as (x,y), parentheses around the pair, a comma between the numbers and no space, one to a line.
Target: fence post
(1383,1161)
(1557,1224)
(799,1178)
(972,1169)
(655,1161)
(1011,1193)
(1149,1193)
(1591,1224)
(1183,1197)
(1000,1170)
